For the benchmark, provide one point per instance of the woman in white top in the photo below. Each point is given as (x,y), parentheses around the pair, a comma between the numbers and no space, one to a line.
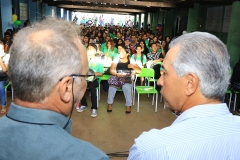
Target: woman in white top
(4,59)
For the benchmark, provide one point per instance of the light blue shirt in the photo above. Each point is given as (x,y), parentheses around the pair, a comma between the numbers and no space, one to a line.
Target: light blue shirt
(204,132)
(34,134)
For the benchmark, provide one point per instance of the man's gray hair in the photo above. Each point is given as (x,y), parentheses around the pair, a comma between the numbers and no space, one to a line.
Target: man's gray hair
(41,55)
(206,56)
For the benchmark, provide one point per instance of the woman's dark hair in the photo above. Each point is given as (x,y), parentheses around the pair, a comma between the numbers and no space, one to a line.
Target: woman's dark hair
(145,49)
(89,38)
(93,45)
(123,43)
(149,42)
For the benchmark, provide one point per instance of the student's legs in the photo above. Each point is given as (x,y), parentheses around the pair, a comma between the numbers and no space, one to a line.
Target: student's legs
(3,96)
(111,94)
(92,88)
(127,91)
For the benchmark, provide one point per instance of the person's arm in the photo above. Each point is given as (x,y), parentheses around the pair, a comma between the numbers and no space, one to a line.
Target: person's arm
(100,69)
(160,57)
(163,51)
(158,60)
(113,70)
(4,65)
(134,66)
(144,60)
(98,74)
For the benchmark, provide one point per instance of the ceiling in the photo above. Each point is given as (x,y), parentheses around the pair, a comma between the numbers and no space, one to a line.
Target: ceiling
(129,6)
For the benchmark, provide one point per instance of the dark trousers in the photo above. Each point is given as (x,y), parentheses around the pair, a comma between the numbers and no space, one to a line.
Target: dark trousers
(92,88)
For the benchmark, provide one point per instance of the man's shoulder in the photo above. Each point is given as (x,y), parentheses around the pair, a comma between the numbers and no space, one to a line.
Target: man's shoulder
(51,140)
(156,137)
(79,148)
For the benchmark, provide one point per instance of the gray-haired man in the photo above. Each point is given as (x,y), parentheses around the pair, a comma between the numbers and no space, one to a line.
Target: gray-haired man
(194,79)
(48,67)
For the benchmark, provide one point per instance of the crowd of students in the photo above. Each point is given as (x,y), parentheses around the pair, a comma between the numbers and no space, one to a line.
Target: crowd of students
(143,49)
(46,94)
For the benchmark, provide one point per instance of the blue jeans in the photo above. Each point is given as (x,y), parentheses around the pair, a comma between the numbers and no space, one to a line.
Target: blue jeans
(127,91)
(2,92)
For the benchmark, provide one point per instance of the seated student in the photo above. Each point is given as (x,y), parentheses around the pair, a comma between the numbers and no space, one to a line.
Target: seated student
(140,59)
(48,82)
(145,49)
(94,64)
(154,57)
(110,50)
(104,44)
(119,68)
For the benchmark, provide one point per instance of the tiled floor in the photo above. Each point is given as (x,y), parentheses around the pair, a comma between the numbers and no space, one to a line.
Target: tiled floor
(115,132)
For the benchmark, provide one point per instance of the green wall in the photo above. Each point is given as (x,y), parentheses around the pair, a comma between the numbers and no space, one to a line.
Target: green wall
(171,20)
(196,21)
(169,23)
(193,18)
(233,40)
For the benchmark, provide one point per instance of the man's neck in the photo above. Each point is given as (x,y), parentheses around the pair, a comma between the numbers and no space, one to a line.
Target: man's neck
(196,100)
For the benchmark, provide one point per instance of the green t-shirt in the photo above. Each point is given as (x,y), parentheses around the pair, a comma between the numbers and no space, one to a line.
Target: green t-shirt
(146,42)
(159,50)
(111,53)
(102,47)
(138,60)
(96,65)
(115,56)
(149,49)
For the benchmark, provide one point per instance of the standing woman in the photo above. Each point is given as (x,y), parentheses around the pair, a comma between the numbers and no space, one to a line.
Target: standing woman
(3,77)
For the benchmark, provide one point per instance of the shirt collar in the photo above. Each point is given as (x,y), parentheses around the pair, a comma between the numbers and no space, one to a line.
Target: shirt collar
(38,116)
(201,111)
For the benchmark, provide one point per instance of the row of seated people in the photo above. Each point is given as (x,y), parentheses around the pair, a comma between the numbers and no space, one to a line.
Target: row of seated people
(121,65)
(130,40)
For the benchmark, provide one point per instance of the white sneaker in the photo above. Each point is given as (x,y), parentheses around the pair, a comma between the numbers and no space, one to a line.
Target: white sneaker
(94,113)
(82,108)
(77,107)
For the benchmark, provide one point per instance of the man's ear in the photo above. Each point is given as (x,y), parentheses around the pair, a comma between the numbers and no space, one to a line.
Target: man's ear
(192,83)
(65,89)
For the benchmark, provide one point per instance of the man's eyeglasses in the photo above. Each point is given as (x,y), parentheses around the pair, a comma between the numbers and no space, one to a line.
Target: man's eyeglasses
(90,76)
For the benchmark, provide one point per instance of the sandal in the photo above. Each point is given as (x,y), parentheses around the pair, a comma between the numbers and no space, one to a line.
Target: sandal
(3,110)
(109,108)
(128,110)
